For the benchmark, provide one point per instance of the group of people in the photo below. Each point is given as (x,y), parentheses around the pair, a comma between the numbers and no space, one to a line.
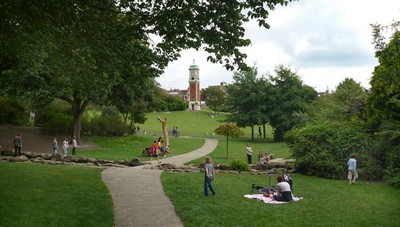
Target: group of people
(18,145)
(65,146)
(284,192)
(262,159)
(159,147)
(175,131)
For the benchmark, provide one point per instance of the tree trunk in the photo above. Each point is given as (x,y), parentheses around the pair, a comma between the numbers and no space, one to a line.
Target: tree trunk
(264,131)
(165,131)
(252,133)
(78,107)
(227,146)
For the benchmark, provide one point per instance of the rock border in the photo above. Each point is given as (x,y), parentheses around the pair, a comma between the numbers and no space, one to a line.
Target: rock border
(272,168)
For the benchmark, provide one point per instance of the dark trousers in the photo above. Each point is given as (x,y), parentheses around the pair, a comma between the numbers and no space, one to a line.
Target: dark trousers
(17,151)
(248,158)
(74,151)
(284,196)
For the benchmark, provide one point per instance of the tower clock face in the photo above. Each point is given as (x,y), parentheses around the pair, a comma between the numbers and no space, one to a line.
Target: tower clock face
(192,78)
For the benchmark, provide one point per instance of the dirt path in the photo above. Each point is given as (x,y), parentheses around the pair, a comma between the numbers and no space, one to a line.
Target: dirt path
(32,139)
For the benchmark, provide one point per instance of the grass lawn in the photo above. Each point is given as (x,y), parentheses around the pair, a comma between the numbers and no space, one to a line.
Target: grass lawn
(128,147)
(192,124)
(237,150)
(325,203)
(58,195)
(45,195)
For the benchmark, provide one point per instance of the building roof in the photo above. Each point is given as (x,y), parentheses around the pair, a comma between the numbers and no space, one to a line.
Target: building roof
(193,66)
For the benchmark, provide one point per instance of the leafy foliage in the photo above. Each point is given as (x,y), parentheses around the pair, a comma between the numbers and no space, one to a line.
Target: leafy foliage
(323,151)
(229,129)
(215,98)
(87,51)
(246,99)
(239,165)
(383,104)
(12,112)
(335,130)
(289,96)
(109,123)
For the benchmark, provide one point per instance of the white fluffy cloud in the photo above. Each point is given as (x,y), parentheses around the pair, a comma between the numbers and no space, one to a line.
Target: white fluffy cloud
(325,41)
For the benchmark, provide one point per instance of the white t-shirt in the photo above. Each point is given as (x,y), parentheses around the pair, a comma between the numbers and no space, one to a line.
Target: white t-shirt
(284,186)
(249,151)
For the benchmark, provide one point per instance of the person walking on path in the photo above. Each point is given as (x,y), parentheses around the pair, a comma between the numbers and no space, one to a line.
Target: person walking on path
(154,151)
(55,145)
(249,153)
(209,176)
(352,171)
(17,145)
(74,145)
(132,207)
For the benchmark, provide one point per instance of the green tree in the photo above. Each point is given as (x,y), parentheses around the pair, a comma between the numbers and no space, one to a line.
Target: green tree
(336,129)
(383,103)
(78,50)
(346,103)
(289,96)
(245,98)
(229,129)
(215,98)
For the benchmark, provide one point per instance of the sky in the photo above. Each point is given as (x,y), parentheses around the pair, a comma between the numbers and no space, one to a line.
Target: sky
(324,41)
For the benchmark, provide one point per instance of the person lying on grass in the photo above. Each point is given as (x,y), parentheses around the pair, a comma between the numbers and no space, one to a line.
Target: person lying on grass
(284,192)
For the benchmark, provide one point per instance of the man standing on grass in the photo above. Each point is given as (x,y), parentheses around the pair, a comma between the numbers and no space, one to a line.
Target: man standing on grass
(352,171)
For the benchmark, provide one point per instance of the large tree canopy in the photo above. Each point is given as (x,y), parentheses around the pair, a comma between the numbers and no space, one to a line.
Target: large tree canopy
(79,51)
(246,98)
(289,96)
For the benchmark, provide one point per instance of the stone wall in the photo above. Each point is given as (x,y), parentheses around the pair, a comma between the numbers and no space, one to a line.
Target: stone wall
(8,155)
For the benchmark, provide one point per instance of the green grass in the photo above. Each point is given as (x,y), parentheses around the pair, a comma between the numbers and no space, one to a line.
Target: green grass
(237,150)
(128,147)
(44,195)
(191,124)
(325,203)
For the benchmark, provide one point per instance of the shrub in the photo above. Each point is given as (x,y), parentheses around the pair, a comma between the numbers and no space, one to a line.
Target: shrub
(56,123)
(12,112)
(323,150)
(107,126)
(239,165)
(109,123)
(387,149)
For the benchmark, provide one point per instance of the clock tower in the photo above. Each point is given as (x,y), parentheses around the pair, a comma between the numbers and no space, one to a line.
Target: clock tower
(194,87)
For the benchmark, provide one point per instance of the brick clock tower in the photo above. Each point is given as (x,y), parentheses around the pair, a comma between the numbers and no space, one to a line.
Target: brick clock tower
(194,87)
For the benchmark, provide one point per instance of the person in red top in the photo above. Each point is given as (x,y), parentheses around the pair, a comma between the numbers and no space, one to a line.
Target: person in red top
(154,151)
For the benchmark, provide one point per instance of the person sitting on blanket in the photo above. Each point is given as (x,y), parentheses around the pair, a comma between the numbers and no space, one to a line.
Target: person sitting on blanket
(284,192)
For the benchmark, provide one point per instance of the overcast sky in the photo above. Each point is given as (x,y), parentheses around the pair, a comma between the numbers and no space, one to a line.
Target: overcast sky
(324,41)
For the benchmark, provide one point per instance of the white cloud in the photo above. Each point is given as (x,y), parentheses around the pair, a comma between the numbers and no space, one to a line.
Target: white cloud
(324,40)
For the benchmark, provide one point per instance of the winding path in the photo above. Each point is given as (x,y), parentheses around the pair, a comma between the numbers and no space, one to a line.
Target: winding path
(138,195)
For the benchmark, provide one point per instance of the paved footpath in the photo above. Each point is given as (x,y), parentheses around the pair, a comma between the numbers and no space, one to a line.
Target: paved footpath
(138,195)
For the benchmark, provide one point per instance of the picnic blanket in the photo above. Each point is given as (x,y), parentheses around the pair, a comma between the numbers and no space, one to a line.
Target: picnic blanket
(269,200)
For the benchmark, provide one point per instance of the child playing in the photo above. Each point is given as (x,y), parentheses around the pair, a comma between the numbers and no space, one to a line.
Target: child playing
(209,176)
(55,146)
(154,151)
